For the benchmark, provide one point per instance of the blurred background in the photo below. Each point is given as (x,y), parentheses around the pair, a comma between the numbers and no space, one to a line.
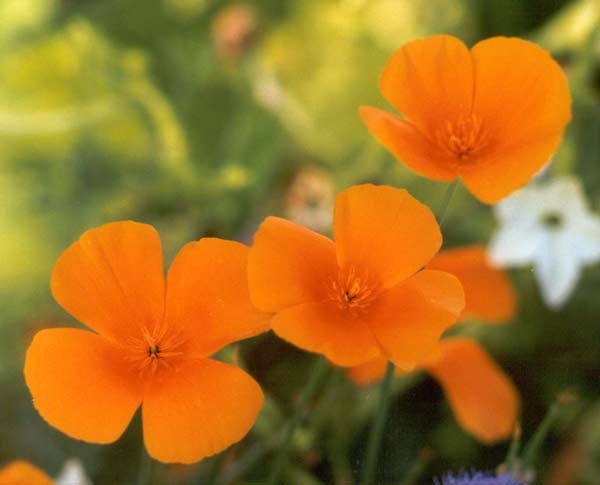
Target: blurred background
(201,117)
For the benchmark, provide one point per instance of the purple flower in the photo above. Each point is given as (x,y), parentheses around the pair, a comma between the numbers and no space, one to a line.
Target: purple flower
(479,478)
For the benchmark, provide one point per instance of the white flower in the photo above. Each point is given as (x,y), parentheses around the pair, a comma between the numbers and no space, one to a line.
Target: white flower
(550,226)
(72,474)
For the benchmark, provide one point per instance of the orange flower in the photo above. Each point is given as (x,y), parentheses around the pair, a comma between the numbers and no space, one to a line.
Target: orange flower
(364,294)
(492,116)
(489,295)
(152,343)
(482,397)
(22,473)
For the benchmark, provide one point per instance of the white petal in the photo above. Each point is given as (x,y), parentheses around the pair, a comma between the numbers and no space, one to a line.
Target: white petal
(72,474)
(523,207)
(557,270)
(565,195)
(584,237)
(515,244)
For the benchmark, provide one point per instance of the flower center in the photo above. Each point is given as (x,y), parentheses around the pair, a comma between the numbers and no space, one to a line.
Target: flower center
(461,137)
(155,349)
(552,220)
(353,291)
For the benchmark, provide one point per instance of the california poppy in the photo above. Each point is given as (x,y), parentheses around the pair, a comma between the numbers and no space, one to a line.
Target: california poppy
(492,116)
(365,294)
(482,397)
(22,473)
(151,343)
(489,295)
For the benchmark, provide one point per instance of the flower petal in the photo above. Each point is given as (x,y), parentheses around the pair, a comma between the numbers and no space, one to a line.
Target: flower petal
(321,327)
(522,96)
(81,384)
(409,319)
(520,92)
(557,269)
(207,295)
(584,238)
(516,244)
(489,295)
(198,410)
(430,80)
(22,473)
(409,145)
(288,264)
(483,399)
(369,372)
(112,279)
(498,173)
(384,231)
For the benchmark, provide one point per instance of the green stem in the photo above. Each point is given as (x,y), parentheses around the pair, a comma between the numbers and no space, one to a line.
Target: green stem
(146,465)
(513,450)
(309,391)
(535,443)
(446,203)
(377,430)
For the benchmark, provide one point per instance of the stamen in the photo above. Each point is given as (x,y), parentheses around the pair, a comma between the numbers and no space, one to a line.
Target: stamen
(462,137)
(353,292)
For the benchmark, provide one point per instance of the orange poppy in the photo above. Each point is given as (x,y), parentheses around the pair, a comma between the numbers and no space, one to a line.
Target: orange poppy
(151,343)
(482,397)
(23,473)
(489,295)
(365,294)
(492,116)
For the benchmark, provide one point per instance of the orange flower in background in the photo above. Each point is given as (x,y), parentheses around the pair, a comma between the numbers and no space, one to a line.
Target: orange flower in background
(365,294)
(23,473)
(492,116)
(489,295)
(482,397)
(151,346)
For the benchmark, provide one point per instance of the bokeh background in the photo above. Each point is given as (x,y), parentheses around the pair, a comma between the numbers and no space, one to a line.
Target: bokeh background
(201,117)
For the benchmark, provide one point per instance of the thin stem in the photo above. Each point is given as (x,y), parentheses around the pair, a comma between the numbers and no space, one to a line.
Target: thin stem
(535,443)
(513,450)
(146,465)
(310,389)
(441,216)
(377,429)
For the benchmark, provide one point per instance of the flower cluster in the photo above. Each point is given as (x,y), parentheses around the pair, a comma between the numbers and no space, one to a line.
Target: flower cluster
(377,292)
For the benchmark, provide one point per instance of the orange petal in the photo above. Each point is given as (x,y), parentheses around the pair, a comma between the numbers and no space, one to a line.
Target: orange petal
(81,384)
(207,295)
(112,279)
(198,410)
(323,328)
(369,372)
(489,295)
(484,400)
(523,99)
(22,473)
(409,319)
(498,174)
(288,264)
(430,80)
(409,145)
(384,231)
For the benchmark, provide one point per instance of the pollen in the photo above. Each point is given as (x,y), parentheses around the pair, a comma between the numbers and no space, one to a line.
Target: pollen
(462,137)
(353,291)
